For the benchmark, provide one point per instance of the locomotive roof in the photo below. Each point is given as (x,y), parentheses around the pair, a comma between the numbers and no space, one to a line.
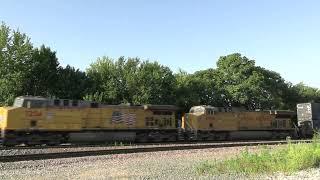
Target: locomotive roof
(33,97)
(160,107)
(242,109)
(282,112)
(84,103)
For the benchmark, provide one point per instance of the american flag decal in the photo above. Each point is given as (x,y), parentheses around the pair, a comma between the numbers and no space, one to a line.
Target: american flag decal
(119,117)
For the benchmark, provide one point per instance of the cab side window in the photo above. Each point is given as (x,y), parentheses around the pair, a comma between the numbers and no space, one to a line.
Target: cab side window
(210,112)
(65,102)
(56,102)
(74,103)
(35,104)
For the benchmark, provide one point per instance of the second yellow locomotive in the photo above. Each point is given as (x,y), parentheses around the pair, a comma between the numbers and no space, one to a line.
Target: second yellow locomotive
(218,123)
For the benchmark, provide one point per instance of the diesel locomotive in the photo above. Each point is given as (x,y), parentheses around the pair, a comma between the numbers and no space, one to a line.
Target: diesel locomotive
(37,120)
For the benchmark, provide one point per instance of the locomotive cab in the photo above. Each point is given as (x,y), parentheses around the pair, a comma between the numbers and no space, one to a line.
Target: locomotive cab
(199,116)
(308,115)
(30,102)
(207,110)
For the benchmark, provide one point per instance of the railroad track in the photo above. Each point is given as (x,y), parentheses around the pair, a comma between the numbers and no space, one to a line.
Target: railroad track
(22,147)
(119,144)
(113,145)
(137,149)
(60,146)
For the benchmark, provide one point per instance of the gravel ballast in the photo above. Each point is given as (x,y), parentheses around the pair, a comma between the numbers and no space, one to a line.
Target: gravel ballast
(63,149)
(152,165)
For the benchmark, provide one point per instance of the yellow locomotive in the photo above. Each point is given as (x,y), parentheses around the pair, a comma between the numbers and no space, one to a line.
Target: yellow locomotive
(37,120)
(218,123)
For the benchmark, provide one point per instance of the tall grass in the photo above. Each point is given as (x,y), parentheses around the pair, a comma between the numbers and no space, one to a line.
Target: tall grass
(288,159)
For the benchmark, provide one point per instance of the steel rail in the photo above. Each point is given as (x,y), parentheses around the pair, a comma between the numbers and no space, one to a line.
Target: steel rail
(117,144)
(44,156)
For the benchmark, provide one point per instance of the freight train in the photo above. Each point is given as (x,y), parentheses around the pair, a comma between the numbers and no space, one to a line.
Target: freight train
(37,120)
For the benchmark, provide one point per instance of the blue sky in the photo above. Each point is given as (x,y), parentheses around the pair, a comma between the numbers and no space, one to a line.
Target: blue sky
(283,36)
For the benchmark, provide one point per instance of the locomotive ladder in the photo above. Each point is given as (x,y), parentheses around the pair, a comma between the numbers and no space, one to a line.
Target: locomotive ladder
(181,134)
(194,135)
(1,136)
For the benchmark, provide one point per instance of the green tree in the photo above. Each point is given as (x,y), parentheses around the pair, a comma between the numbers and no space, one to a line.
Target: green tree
(306,93)
(15,63)
(131,81)
(72,83)
(211,93)
(248,85)
(199,88)
(188,90)
(155,84)
(113,81)
(43,76)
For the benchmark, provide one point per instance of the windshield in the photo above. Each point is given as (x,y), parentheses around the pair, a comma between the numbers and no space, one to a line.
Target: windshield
(197,109)
(30,103)
(18,102)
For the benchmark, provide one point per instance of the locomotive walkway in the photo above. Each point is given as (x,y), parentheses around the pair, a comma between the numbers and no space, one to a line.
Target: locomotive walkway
(84,152)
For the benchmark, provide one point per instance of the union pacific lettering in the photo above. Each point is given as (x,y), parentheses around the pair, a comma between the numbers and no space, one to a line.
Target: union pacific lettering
(33,113)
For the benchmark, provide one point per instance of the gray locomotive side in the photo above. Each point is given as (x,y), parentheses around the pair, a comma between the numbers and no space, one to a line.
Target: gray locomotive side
(308,115)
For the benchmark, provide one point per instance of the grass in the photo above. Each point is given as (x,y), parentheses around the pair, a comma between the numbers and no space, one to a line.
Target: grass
(288,159)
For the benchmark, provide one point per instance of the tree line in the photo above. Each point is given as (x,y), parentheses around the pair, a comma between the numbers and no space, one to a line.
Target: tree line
(236,81)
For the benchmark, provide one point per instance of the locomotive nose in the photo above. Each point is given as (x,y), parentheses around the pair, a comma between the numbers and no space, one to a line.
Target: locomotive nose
(2,117)
(2,121)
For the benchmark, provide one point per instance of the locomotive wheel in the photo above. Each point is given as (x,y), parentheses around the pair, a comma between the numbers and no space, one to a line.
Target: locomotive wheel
(10,143)
(172,138)
(54,140)
(210,137)
(33,139)
(156,136)
(33,143)
(52,143)
(142,137)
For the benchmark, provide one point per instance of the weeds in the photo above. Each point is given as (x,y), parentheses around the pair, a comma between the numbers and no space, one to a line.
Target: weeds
(291,158)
